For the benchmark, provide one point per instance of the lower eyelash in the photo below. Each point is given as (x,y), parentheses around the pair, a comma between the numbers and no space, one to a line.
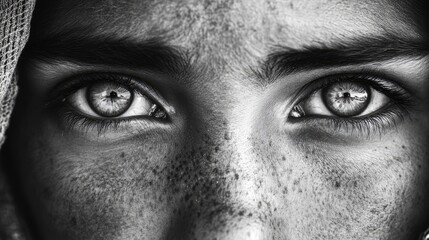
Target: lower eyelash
(71,121)
(387,118)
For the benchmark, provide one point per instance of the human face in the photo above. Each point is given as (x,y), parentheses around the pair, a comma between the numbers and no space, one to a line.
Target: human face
(241,143)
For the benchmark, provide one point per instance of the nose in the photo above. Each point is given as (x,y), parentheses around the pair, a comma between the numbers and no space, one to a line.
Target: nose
(221,192)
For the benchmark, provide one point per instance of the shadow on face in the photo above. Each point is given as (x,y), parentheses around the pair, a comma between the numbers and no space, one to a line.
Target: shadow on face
(223,120)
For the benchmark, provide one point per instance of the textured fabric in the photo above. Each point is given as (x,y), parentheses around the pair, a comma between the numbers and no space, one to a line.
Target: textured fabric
(15,18)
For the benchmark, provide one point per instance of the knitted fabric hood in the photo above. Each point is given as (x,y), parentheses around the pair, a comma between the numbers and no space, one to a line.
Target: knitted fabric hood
(15,16)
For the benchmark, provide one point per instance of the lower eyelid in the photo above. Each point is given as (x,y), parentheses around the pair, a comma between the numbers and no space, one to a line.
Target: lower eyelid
(358,127)
(73,122)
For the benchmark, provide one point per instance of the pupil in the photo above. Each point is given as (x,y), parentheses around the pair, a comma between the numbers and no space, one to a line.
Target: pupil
(113,94)
(346,94)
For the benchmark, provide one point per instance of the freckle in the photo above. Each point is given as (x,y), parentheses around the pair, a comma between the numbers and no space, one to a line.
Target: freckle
(122,155)
(236,176)
(283,158)
(285,191)
(259,204)
(296,182)
(216,149)
(250,215)
(337,184)
(403,147)
(241,213)
(355,183)
(227,136)
(228,194)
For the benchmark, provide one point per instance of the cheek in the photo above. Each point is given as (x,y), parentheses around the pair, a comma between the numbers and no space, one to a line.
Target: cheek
(329,191)
(86,189)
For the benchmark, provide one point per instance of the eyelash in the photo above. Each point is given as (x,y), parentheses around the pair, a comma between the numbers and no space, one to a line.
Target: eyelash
(71,119)
(386,118)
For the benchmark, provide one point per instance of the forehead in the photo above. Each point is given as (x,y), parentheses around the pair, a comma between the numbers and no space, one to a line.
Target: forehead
(196,24)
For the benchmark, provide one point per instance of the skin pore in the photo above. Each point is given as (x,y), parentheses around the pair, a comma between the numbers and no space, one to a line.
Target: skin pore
(229,161)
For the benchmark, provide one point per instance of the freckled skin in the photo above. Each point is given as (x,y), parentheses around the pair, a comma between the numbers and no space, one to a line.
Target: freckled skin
(229,168)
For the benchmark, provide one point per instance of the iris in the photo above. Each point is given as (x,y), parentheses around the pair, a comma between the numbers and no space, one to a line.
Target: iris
(346,99)
(109,99)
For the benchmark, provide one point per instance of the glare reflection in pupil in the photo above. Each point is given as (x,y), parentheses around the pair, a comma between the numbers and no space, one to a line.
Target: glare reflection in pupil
(346,99)
(109,99)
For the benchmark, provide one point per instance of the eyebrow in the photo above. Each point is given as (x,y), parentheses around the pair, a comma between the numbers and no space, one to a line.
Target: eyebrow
(284,61)
(155,54)
(150,54)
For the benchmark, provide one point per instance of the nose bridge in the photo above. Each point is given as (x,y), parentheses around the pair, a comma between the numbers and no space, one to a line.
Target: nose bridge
(218,180)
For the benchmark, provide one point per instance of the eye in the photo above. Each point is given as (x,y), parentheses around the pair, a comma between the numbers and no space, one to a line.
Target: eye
(109,99)
(342,99)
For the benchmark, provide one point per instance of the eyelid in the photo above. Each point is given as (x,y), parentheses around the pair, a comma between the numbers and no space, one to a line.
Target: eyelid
(73,84)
